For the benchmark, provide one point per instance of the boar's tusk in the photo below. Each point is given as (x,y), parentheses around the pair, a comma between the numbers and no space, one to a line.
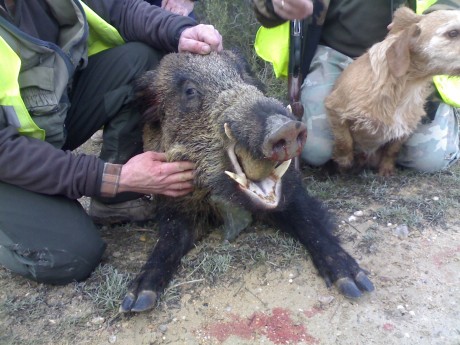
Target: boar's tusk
(234,160)
(228,131)
(241,179)
(281,169)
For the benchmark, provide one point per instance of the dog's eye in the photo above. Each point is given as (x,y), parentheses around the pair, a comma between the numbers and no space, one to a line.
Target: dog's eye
(453,33)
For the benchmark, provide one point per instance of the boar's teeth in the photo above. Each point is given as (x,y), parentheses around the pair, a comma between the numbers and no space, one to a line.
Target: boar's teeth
(265,193)
(241,179)
(281,169)
(234,160)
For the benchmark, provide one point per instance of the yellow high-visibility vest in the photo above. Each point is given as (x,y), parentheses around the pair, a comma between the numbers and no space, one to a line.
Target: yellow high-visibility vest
(272,46)
(101,36)
(10,94)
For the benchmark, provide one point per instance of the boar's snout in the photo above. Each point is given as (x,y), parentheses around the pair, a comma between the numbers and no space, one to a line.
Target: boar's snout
(285,138)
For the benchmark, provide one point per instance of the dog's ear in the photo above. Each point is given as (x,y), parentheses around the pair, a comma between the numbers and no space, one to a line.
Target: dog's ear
(402,19)
(398,54)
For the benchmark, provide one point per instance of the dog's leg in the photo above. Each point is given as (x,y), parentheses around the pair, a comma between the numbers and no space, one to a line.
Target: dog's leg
(343,144)
(389,152)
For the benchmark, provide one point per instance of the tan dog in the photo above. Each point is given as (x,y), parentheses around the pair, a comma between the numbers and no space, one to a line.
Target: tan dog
(379,99)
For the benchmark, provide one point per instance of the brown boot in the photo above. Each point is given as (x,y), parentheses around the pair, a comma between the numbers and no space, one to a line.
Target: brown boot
(137,210)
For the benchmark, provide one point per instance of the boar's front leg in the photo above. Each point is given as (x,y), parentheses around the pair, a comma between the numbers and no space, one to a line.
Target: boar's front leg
(307,220)
(175,240)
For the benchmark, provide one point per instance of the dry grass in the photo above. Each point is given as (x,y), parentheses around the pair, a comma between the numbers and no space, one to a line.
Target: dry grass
(37,314)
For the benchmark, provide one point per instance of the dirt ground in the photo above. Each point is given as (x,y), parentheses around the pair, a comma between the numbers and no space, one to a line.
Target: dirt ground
(405,230)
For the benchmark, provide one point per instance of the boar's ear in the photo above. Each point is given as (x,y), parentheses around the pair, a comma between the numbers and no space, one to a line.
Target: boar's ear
(146,97)
(245,70)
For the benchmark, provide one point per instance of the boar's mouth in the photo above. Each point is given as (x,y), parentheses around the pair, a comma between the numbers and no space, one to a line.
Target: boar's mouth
(259,179)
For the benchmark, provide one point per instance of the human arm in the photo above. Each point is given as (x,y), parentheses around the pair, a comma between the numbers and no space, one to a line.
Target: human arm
(275,12)
(37,166)
(137,20)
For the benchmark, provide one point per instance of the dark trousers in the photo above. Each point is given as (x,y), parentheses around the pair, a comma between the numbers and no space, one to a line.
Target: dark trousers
(51,239)
(102,96)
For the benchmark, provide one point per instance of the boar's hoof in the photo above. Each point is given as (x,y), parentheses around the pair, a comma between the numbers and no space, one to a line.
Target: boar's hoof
(352,288)
(145,300)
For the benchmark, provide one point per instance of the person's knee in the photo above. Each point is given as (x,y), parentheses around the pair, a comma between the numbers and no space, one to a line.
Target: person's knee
(320,141)
(317,151)
(57,266)
(429,162)
(50,239)
(435,145)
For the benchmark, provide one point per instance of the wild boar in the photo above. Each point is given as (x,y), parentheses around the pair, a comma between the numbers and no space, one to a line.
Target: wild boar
(211,110)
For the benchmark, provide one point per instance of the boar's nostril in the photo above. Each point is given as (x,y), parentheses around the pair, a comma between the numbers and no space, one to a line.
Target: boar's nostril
(302,137)
(285,141)
(280,146)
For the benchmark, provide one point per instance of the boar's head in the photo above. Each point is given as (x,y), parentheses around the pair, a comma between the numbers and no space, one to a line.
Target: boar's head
(211,110)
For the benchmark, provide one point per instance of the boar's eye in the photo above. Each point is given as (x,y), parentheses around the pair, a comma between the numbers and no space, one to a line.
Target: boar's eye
(190,91)
(453,33)
(190,96)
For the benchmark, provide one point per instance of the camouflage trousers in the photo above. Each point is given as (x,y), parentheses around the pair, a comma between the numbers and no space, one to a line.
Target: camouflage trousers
(432,147)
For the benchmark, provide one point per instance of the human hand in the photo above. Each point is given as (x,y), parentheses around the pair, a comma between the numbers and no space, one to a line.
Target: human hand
(149,173)
(200,39)
(181,7)
(293,9)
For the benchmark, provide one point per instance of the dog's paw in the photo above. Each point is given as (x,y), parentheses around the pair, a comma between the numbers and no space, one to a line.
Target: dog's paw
(344,162)
(386,169)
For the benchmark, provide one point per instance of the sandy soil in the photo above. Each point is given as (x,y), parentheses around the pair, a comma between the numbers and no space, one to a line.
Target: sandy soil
(415,271)
(416,301)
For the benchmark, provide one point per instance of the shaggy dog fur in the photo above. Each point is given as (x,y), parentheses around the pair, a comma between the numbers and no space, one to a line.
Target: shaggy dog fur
(378,101)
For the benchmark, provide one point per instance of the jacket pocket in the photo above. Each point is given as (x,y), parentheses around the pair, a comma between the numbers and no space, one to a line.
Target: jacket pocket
(38,90)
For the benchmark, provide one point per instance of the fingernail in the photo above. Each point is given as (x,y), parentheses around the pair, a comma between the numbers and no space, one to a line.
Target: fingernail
(206,49)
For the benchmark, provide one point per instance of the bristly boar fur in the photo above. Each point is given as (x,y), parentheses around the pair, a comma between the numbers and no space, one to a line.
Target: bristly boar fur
(378,101)
(210,110)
